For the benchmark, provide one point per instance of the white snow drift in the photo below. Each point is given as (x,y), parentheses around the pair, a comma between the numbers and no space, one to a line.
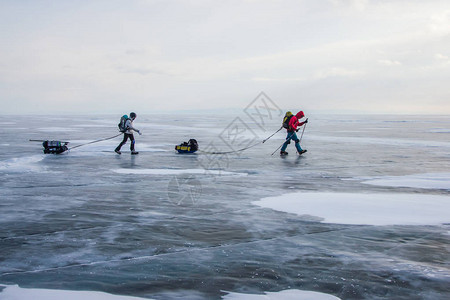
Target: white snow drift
(364,209)
(282,295)
(14,292)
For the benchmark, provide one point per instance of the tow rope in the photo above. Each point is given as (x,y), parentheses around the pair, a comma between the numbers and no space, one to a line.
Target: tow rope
(96,141)
(242,149)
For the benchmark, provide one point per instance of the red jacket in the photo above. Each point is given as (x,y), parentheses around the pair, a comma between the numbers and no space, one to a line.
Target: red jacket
(294,121)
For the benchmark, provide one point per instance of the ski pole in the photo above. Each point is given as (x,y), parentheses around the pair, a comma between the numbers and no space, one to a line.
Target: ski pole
(272,135)
(302,134)
(283,143)
(303,131)
(277,149)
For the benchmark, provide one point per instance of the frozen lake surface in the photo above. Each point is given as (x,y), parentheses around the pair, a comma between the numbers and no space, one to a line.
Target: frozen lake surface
(364,214)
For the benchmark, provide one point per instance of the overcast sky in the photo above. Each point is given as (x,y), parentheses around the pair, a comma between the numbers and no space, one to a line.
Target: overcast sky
(166,55)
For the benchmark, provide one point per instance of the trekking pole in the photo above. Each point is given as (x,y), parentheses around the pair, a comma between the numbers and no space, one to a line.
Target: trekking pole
(302,132)
(283,143)
(277,149)
(302,135)
(272,135)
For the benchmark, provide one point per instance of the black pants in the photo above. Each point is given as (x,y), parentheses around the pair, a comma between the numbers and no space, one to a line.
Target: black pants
(127,136)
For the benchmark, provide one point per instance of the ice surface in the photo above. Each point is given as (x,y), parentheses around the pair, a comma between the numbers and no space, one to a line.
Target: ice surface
(14,292)
(364,209)
(176,172)
(109,146)
(423,181)
(440,130)
(56,129)
(380,141)
(282,295)
(161,225)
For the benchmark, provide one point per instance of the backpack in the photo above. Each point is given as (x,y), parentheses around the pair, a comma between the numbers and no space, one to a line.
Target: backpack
(286,119)
(122,123)
(193,143)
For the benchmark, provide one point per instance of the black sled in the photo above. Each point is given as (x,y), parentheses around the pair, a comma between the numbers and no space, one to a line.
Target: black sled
(54,147)
(187,147)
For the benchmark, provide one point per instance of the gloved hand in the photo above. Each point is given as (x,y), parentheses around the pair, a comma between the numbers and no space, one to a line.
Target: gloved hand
(140,133)
(296,130)
(306,121)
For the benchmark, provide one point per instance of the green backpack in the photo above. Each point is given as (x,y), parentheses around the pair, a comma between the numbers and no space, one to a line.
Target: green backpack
(286,119)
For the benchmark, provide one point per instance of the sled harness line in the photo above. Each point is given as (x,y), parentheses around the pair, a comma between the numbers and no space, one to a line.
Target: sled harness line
(242,149)
(96,141)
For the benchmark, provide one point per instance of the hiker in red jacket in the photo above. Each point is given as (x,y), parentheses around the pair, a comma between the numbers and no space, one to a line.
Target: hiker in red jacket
(294,123)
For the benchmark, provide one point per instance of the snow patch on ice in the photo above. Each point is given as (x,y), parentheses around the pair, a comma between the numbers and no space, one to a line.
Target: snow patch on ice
(422,181)
(364,209)
(282,295)
(176,172)
(22,164)
(14,292)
